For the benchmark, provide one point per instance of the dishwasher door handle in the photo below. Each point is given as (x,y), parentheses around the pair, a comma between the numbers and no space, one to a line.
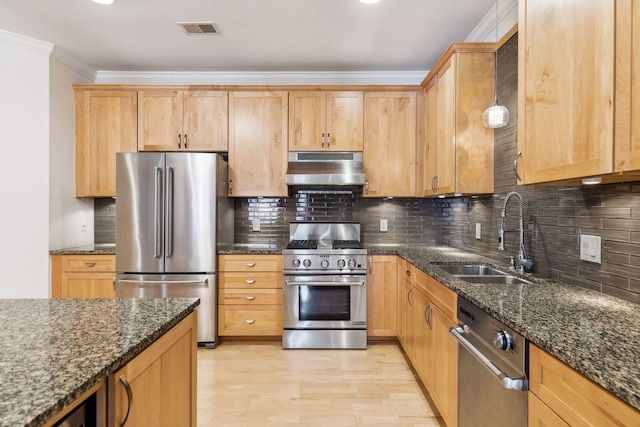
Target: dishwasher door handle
(520,384)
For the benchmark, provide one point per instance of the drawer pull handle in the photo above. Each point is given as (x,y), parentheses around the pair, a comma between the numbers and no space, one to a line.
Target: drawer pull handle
(250,281)
(90,264)
(250,321)
(251,264)
(127,388)
(250,297)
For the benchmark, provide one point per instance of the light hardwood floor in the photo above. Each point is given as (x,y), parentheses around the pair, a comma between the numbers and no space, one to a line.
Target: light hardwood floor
(259,384)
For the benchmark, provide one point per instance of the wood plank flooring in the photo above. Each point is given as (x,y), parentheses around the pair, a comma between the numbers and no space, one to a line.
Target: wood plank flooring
(258,384)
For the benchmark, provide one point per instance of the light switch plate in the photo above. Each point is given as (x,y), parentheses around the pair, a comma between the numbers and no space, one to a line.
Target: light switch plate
(591,248)
(478,231)
(255,224)
(383,225)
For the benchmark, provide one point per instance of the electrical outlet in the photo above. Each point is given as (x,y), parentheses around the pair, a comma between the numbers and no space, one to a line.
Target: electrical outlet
(591,248)
(478,231)
(255,224)
(383,225)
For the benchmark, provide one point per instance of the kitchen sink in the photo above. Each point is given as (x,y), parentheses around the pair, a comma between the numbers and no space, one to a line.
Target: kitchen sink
(471,270)
(498,280)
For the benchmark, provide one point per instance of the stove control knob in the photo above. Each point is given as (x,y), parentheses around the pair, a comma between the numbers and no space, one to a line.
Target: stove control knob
(503,341)
(324,263)
(296,263)
(306,263)
(352,263)
(341,263)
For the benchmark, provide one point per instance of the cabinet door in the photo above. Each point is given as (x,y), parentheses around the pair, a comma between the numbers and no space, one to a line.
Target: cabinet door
(444,388)
(566,98)
(162,381)
(390,144)
(258,143)
(446,94)
(539,414)
(344,125)
(409,329)
(106,124)
(206,121)
(382,296)
(401,321)
(87,285)
(160,118)
(422,337)
(429,151)
(307,118)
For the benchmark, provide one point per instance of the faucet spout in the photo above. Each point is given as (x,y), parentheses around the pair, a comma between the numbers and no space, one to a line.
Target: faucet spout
(524,263)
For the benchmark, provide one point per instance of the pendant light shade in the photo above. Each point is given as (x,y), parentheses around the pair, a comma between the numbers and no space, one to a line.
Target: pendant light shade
(496,116)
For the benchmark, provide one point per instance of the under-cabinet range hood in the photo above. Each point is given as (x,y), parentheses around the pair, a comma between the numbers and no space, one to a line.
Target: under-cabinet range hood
(325,168)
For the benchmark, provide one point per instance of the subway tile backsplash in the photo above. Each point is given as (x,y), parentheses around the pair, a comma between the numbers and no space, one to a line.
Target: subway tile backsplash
(554,216)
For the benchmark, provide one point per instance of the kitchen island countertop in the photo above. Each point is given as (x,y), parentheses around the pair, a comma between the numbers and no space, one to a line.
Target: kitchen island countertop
(54,350)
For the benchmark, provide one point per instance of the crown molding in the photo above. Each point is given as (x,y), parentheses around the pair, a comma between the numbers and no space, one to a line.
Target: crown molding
(485,31)
(262,78)
(25,43)
(74,63)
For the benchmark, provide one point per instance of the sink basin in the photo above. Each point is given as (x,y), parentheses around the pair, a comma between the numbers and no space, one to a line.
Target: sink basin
(471,270)
(499,280)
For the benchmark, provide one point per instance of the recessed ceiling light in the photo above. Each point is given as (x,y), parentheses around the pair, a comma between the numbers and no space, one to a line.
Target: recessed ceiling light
(369,1)
(103,1)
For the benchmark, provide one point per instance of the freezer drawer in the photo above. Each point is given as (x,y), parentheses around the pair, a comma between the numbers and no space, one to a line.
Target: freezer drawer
(201,286)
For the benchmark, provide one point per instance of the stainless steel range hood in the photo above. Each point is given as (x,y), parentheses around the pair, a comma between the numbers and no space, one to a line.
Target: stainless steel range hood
(325,168)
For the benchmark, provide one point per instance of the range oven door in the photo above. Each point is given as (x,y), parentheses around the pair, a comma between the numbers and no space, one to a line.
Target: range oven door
(324,302)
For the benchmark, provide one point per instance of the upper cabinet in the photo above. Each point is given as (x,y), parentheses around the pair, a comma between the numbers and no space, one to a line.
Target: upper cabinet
(576,92)
(390,144)
(178,120)
(258,143)
(106,123)
(456,153)
(322,120)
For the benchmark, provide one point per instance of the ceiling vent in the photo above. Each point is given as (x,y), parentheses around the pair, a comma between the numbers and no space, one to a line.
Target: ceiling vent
(199,27)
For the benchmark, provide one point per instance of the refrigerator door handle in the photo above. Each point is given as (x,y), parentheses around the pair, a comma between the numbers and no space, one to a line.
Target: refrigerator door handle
(157,214)
(169,248)
(168,282)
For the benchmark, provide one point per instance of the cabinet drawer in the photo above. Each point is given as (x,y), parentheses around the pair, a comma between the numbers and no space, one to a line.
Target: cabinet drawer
(254,280)
(575,398)
(444,298)
(250,296)
(250,262)
(256,320)
(103,263)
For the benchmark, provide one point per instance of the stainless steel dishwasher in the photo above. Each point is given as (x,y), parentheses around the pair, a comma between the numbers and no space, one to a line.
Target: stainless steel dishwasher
(492,370)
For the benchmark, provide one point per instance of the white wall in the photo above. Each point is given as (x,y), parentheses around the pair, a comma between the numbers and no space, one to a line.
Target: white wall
(24,167)
(71,219)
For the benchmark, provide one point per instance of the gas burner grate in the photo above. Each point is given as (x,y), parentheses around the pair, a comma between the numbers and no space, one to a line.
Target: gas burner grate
(347,244)
(303,244)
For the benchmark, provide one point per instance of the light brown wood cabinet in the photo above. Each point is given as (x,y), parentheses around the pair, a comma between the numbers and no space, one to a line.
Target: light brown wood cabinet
(158,387)
(571,397)
(390,144)
(326,121)
(456,153)
(82,276)
(250,295)
(575,113)
(258,144)
(382,296)
(106,124)
(179,120)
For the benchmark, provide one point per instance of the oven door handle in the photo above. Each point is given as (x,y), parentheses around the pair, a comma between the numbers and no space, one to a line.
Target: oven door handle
(520,384)
(320,283)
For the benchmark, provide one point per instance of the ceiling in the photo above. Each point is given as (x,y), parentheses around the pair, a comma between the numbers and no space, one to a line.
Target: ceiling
(255,35)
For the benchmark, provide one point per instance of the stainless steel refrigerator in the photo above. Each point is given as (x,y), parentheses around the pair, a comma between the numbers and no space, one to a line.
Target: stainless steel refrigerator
(172,212)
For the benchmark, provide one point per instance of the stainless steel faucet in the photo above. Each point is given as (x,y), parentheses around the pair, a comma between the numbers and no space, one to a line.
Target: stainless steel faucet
(524,263)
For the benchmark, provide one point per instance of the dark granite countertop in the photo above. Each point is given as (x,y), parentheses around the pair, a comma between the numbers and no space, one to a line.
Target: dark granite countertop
(53,350)
(250,248)
(597,335)
(96,249)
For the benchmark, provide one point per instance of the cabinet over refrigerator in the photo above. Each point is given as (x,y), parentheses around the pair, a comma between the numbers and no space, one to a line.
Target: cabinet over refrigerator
(172,212)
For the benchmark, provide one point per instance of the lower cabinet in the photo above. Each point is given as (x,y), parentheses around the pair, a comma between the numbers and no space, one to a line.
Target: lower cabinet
(250,295)
(82,276)
(158,387)
(561,396)
(426,309)
(382,296)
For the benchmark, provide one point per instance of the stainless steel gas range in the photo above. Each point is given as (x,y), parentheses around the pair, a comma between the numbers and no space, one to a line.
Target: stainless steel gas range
(325,287)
